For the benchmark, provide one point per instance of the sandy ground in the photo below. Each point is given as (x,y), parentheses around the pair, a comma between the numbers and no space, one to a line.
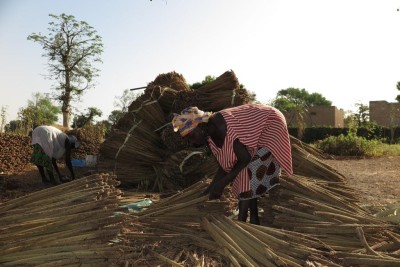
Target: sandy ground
(376,179)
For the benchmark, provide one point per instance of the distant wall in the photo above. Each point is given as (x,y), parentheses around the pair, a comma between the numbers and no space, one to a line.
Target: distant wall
(319,116)
(384,113)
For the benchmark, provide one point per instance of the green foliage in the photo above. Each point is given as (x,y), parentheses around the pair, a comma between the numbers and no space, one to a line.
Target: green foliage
(71,47)
(107,126)
(39,111)
(208,79)
(389,149)
(295,103)
(350,145)
(362,115)
(88,118)
(14,126)
(114,117)
(292,98)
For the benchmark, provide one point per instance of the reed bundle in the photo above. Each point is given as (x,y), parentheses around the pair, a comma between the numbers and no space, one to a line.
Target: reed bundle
(171,229)
(225,82)
(318,232)
(167,98)
(220,93)
(251,245)
(241,97)
(70,224)
(186,99)
(171,79)
(140,145)
(309,206)
(173,140)
(185,166)
(308,148)
(305,163)
(151,114)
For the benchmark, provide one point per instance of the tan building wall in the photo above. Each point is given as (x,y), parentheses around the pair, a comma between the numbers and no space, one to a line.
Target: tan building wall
(320,116)
(385,113)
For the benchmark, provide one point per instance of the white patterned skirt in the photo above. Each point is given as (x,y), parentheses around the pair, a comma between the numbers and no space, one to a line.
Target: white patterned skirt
(264,172)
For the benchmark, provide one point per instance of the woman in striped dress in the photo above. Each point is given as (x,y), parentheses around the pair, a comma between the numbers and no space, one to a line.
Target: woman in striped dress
(251,144)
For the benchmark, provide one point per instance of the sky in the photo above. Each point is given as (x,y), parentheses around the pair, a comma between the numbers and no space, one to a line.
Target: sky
(346,50)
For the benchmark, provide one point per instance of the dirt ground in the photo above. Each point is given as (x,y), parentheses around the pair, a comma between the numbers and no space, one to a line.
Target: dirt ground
(377,180)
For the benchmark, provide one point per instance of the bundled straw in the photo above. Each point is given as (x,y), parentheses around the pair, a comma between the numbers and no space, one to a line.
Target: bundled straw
(169,231)
(305,163)
(321,229)
(144,140)
(220,94)
(72,223)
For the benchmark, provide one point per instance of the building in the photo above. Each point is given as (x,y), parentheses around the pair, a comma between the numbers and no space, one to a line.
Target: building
(384,113)
(327,116)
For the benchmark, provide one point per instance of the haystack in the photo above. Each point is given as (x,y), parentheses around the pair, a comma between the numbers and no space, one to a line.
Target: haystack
(144,151)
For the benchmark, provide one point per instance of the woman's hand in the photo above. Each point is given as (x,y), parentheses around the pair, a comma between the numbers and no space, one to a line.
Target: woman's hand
(215,189)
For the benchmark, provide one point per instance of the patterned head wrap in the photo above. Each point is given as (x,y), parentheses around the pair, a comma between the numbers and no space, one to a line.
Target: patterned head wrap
(188,120)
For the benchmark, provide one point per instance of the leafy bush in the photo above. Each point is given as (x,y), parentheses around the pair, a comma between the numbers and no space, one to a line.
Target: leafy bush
(350,145)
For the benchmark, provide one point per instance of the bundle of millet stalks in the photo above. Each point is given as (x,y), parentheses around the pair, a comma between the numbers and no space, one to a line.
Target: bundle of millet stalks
(144,151)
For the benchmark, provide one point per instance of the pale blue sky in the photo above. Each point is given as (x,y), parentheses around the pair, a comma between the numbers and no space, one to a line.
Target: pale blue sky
(346,50)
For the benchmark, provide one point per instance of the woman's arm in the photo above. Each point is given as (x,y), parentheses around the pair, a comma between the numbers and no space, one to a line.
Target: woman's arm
(243,159)
(217,177)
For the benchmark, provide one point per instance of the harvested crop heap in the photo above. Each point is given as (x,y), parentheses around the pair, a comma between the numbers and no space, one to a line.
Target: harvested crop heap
(90,137)
(143,150)
(15,151)
(311,220)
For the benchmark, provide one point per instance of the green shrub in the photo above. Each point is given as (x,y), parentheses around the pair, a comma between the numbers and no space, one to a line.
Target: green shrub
(350,145)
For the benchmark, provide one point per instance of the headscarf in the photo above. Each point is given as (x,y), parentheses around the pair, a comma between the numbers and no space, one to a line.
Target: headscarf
(74,140)
(188,120)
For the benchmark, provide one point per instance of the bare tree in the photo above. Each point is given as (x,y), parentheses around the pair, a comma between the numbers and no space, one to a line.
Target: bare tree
(71,47)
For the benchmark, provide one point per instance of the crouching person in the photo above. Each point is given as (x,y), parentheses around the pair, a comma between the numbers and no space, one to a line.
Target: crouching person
(49,145)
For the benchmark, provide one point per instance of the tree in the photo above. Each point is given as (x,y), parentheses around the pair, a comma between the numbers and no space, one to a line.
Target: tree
(289,98)
(39,111)
(296,102)
(84,119)
(114,117)
(398,88)
(71,47)
(208,79)
(14,126)
(123,102)
(362,115)
(3,117)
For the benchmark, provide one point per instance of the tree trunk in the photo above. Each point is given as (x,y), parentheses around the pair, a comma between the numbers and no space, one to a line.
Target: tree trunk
(66,119)
(66,100)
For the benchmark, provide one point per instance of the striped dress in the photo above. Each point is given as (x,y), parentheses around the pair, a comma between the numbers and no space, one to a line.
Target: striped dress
(262,129)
